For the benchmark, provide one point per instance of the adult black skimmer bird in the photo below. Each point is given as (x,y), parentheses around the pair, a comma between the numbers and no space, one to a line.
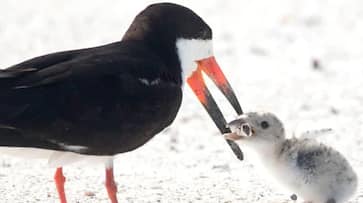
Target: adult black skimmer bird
(101,101)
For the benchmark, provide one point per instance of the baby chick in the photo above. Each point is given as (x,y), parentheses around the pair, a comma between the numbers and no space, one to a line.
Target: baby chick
(311,170)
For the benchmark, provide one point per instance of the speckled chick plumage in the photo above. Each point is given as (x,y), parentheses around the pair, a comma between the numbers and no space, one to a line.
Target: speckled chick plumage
(315,172)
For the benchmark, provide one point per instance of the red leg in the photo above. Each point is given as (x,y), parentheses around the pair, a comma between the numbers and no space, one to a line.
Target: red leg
(59,183)
(111,185)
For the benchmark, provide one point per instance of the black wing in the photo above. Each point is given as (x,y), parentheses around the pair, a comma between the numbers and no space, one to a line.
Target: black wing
(89,97)
(104,60)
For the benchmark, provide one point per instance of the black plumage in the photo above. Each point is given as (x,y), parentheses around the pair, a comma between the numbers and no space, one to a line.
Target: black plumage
(96,97)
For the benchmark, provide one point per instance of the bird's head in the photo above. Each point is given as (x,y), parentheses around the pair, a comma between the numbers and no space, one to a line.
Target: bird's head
(259,130)
(184,42)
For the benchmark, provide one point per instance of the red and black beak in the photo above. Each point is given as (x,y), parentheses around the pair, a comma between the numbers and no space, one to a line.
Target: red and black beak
(196,82)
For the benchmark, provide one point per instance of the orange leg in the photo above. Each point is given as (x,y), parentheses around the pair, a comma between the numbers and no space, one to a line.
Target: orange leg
(59,183)
(111,185)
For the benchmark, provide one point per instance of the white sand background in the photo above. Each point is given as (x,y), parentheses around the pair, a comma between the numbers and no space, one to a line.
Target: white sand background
(265,48)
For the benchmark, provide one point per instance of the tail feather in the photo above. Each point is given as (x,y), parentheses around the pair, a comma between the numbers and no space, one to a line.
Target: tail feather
(13,73)
(9,78)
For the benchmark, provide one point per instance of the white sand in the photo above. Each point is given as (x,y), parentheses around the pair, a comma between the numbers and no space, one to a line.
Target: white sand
(266,50)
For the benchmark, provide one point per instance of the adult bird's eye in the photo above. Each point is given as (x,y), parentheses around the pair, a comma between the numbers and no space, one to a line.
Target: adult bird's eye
(264,124)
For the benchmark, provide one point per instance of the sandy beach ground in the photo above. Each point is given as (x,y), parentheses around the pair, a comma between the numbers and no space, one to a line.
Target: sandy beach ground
(301,59)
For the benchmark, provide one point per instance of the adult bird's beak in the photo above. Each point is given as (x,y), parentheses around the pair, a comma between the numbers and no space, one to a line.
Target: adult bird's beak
(196,82)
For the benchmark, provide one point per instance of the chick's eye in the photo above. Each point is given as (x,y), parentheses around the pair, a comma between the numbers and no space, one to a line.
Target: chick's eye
(264,124)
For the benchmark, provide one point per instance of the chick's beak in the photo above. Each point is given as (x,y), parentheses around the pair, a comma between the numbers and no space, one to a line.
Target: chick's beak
(196,82)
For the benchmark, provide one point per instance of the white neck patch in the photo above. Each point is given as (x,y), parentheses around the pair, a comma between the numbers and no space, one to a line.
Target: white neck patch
(190,51)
